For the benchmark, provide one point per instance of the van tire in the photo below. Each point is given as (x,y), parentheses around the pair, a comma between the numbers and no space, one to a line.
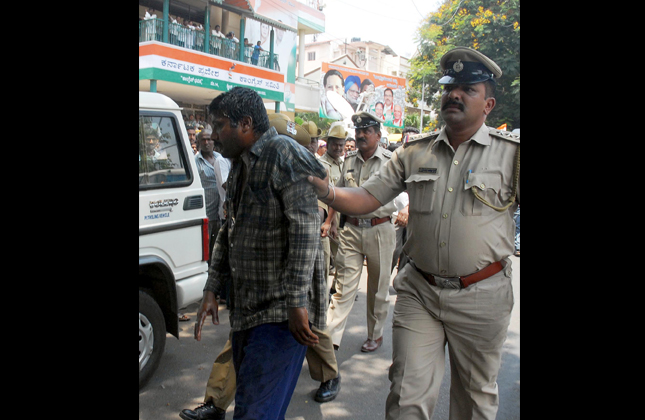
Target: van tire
(152,336)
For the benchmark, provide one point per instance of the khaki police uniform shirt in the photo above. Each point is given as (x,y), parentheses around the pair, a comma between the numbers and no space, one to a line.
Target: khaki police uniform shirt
(334,169)
(357,171)
(451,233)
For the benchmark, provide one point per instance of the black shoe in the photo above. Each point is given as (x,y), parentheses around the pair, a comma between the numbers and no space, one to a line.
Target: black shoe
(204,412)
(328,390)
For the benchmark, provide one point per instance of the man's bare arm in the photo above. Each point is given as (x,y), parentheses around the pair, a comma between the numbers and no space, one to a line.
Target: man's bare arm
(348,200)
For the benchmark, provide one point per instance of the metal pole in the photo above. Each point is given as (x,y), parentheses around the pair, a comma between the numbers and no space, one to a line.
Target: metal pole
(241,43)
(271,49)
(166,10)
(207,29)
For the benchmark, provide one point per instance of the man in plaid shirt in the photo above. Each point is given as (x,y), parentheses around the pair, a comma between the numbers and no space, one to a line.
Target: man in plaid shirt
(269,250)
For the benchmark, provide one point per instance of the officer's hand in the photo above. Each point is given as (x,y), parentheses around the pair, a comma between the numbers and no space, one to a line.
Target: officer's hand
(333,231)
(321,186)
(402,217)
(299,327)
(325,229)
(208,306)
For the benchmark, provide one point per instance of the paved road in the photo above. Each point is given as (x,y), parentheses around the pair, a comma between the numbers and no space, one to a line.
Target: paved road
(179,382)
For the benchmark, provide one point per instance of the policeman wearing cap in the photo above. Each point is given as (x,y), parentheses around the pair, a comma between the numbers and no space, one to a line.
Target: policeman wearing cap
(321,358)
(463,183)
(314,134)
(367,234)
(332,161)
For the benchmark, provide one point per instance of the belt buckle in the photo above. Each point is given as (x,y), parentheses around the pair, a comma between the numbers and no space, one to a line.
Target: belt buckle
(447,282)
(364,223)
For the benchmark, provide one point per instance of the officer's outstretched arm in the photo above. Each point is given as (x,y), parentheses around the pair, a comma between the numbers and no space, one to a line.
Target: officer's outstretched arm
(349,201)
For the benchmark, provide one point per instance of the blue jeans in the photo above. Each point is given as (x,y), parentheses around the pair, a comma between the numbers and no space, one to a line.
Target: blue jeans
(267,362)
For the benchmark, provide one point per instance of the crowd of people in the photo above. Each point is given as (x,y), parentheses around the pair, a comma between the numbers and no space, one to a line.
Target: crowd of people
(294,226)
(190,34)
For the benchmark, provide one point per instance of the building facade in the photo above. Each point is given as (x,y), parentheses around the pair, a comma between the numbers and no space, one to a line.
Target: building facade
(181,55)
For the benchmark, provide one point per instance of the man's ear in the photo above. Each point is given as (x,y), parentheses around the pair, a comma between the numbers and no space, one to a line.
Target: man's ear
(246,123)
(490,104)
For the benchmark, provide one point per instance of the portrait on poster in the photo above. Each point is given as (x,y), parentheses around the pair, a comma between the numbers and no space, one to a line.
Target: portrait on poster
(346,90)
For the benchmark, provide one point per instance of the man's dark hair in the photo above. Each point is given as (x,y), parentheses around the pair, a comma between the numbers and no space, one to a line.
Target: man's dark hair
(409,129)
(331,73)
(241,102)
(490,89)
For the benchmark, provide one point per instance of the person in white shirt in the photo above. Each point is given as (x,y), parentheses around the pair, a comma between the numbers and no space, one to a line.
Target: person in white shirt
(151,29)
(233,37)
(217,32)
(216,41)
(190,33)
(174,30)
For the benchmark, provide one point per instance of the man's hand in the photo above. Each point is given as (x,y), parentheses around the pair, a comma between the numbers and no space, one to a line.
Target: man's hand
(325,229)
(402,217)
(321,186)
(208,306)
(299,327)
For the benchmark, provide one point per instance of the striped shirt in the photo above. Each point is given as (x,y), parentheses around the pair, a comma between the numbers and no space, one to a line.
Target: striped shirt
(269,248)
(209,183)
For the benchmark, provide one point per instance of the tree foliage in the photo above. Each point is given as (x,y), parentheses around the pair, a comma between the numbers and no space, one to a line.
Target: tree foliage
(489,26)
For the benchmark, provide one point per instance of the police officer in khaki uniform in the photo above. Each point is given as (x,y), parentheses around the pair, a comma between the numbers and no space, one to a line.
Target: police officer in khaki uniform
(463,184)
(332,160)
(321,358)
(314,134)
(369,234)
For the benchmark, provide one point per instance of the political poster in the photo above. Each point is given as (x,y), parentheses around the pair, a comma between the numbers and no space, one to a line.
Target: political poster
(378,93)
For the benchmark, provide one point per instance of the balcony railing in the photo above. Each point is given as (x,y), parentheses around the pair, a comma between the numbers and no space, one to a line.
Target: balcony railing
(180,35)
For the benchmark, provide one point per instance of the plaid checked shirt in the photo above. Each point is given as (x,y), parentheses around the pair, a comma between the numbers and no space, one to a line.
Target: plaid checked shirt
(269,248)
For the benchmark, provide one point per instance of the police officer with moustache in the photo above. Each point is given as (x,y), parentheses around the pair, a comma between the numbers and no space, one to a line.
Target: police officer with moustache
(463,184)
(367,234)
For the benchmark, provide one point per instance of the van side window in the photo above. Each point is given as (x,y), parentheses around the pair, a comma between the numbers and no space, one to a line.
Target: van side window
(162,162)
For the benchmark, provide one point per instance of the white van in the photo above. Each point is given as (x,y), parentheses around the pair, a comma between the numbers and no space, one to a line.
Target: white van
(173,227)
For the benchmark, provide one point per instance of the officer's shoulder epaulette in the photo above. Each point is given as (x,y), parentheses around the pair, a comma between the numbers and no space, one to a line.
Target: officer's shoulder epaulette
(387,154)
(423,136)
(506,135)
(351,153)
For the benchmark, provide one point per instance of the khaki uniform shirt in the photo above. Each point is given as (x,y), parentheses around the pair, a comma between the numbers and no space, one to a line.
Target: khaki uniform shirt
(451,233)
(357,171)
(334,169)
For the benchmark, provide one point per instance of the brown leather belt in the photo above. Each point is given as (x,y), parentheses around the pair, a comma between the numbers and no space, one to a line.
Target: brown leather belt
(465,281)
(367,222)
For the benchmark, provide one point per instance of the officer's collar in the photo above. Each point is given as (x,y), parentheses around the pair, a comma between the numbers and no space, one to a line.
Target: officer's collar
(481,136)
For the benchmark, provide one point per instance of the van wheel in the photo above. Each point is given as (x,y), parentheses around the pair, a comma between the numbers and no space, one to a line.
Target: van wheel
(152,336)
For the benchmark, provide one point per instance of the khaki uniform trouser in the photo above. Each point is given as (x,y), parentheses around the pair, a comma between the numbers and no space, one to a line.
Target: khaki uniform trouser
(473,321)
(220,388)
(377,244)
(327,254)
